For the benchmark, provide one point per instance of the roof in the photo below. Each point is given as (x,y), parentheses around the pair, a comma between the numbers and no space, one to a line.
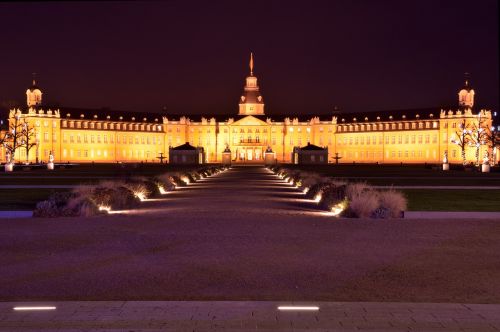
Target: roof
(107,114)
(390,115)
(342,117)
(311,147)
(185,146)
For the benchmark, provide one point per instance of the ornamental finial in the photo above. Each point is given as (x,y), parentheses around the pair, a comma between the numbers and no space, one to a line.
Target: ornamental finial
(251,64)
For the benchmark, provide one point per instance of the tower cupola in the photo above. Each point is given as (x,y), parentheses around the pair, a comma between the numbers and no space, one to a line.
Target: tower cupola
(466,94)
(251,101)
(34,95)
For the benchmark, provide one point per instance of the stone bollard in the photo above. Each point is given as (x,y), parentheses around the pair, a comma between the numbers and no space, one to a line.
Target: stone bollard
(485,168)
(9,167)
(50,166)
(226,158)
(446,166)
(269,158)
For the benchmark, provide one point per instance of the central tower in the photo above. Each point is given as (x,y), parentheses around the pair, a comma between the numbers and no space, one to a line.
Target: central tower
(251,102)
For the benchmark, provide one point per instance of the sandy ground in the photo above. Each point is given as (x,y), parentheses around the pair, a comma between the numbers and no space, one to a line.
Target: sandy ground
(246,235)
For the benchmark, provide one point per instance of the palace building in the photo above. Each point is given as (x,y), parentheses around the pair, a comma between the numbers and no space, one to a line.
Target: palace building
(417,136)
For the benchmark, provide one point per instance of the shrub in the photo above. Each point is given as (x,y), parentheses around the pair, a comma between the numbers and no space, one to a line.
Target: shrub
(150,186)
(178,181)
(364,204)
(164,181)
(332,195)
(138,188)
(52,207)
(189,177)
(80,206)
(113,194)
(394,202)
(66,204)
(307,180)
(356,189)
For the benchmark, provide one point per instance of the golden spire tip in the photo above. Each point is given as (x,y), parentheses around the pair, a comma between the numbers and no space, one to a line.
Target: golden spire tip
(251,63)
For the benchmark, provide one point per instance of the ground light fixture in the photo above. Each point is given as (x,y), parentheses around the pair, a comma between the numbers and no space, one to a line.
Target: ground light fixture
(298,308)
(34,308)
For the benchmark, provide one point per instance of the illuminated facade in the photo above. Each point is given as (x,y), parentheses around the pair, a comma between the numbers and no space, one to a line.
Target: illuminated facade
(406,136)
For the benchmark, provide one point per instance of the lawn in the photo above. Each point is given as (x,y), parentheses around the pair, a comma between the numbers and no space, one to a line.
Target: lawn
(452,200)
(23,199)
(26,199)
(406,175)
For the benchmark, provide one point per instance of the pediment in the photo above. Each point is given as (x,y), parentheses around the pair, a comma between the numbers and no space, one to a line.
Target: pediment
(250,120)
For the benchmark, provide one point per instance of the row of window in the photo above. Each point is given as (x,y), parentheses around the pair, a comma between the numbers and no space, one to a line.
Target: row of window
(137,154)
(111,126)
(388,126)
(120,139)
(393,154)
(400,139)
(46,123)
(378,155)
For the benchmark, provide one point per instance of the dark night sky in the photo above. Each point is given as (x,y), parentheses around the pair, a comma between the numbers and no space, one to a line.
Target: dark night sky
(192,57)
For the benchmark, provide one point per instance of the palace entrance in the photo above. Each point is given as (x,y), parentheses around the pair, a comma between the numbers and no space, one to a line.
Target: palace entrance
(248,155)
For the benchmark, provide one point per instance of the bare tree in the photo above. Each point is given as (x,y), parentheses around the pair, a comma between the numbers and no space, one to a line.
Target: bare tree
(477,136)
(26,137)
(492,138)
(10,139)
(462,140)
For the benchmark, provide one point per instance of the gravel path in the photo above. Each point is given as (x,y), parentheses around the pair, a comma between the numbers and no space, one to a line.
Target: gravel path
(246,235)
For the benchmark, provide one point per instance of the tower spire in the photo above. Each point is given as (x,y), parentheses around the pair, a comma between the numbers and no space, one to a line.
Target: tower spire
(466,77)
(251,63)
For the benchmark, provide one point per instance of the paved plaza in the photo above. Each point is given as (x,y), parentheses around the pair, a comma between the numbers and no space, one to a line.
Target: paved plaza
(251,316)
(244,242)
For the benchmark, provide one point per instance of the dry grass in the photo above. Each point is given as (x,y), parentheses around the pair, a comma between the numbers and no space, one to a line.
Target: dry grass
(394,201)
(364,204)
